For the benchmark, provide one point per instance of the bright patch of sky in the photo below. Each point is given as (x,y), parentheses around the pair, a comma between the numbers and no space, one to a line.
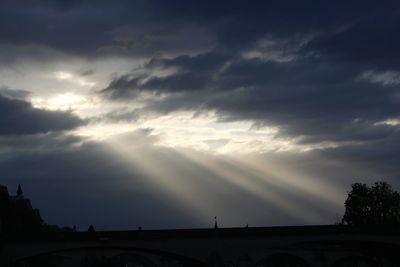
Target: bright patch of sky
(75,87)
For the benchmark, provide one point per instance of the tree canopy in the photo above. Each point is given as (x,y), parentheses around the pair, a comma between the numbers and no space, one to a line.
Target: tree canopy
(378,204)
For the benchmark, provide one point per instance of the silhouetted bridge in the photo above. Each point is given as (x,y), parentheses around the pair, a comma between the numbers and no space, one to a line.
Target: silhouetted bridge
(266,246)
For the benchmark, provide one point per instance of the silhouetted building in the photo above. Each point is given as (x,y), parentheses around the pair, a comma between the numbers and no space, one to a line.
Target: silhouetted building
(4,205)
(20,200)
(3,191)
(17,214)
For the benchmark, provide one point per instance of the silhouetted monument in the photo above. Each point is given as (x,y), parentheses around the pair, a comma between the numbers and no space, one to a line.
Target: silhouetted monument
(17,214)
(215,223)
(91,229)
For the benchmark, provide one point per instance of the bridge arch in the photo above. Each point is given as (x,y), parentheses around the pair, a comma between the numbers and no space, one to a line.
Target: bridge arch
(355,261)
(282,260)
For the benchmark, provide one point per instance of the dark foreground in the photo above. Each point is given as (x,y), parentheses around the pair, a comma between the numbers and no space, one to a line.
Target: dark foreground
(261,246)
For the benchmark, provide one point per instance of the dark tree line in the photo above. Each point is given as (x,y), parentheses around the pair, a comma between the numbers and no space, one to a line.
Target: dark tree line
(372,205)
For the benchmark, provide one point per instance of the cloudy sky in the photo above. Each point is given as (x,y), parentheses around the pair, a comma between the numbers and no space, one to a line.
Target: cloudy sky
(165,114)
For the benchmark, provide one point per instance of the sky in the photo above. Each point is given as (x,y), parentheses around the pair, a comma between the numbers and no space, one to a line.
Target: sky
(164,114)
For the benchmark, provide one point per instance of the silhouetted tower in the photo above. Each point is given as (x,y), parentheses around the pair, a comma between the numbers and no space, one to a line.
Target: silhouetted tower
(20,200)
(91,229)
(19,192)
(215,222)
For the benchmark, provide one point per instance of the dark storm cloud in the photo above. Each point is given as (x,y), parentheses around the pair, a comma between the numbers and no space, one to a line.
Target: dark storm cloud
(193,73)
(149,27)
(18,117)
(12,145)
(305,74)
(308,83)
(372,40)
(96,28)
(305,97)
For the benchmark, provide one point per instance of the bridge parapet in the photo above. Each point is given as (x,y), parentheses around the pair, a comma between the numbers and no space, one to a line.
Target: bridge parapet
(312,245)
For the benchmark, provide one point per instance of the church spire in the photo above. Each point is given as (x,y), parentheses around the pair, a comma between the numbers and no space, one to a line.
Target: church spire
(19,191)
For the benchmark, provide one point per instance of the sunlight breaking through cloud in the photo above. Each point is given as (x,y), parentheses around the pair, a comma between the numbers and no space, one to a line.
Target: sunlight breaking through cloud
(239,110)
(205,191)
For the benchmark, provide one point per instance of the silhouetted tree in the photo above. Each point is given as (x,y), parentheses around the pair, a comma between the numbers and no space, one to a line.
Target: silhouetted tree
(375,205)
